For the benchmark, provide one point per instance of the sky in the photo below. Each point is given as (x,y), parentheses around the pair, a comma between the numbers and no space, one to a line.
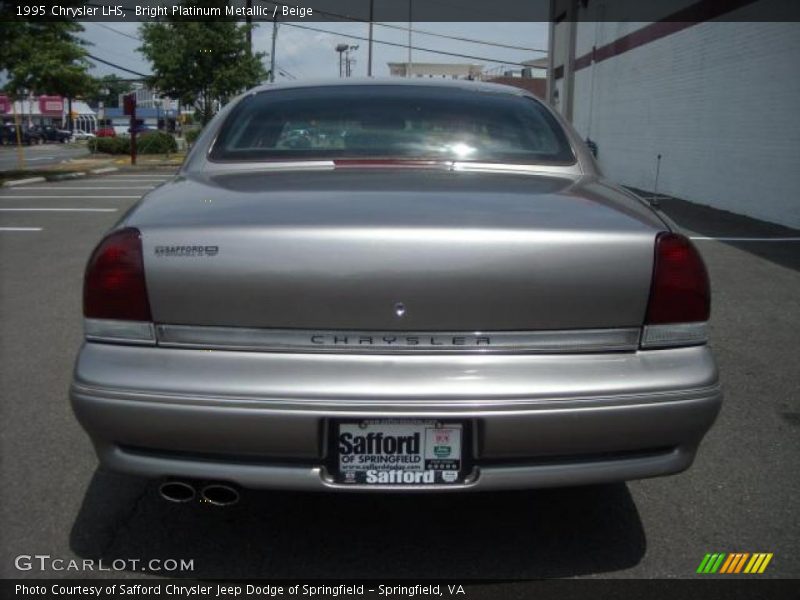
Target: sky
(305,54)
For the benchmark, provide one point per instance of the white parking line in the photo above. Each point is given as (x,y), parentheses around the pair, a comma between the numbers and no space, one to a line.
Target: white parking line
(20,229)
(59,209)
(744,239)
(84,197)
(120,187)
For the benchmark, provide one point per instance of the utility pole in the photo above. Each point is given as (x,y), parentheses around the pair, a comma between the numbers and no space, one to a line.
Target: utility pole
(272,54)
(248,19)
(408,69)
(369,55)
(129,108)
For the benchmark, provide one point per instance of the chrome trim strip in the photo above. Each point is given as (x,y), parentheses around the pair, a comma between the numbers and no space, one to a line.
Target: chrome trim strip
(111,330)
(674,334)
(266,165)
(568,170)
(398,342)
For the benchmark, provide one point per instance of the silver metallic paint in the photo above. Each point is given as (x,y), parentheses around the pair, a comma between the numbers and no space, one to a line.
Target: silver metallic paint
(276,406)
(390,382)
(335,250)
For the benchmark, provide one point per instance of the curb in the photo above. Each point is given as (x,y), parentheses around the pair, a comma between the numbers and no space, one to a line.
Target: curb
(24,181)
(59,177)
(77,175)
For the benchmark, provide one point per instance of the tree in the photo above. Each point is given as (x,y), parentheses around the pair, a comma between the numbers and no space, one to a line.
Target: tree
(45,57)
(201,63)
(109,89)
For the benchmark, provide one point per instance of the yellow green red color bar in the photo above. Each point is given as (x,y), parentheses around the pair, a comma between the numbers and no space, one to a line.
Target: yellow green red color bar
(735,562)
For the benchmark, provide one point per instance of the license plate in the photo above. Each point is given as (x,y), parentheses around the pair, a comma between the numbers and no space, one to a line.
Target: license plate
(399,452)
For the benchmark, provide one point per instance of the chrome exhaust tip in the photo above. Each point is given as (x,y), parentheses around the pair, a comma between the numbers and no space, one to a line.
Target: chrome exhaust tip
(219,494)
(177,491)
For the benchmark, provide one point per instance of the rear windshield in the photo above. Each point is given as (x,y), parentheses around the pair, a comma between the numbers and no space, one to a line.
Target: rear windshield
(379,121)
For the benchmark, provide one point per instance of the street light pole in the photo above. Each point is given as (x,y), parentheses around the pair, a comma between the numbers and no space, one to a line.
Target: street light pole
(341,49)
(348,71)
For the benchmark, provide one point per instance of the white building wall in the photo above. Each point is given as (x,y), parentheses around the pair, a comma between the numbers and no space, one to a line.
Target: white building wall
(720,101)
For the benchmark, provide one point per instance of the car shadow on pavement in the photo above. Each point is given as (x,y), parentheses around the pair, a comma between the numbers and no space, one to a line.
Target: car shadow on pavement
(508,535)
(735,230)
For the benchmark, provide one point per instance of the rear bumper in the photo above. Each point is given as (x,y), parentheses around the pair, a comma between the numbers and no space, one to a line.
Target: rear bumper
(261,420)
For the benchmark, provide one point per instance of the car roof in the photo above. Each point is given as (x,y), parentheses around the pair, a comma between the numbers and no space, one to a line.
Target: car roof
(463,84)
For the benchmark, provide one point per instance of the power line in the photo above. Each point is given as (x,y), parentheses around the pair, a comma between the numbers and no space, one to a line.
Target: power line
(357,37)
(279,68)
(127,35)
(110,64)
(342,17)
(111,51)
(461,39)
(292,60)
(385,43)
(284,72)
(420,48)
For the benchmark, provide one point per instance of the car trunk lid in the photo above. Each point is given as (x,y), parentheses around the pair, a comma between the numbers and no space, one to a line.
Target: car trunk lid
(396,250)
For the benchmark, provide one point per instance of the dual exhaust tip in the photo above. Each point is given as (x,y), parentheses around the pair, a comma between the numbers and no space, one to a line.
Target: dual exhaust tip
(182,492)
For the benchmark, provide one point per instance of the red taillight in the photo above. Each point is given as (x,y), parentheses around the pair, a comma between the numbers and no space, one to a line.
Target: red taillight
(680,292)
(114,287)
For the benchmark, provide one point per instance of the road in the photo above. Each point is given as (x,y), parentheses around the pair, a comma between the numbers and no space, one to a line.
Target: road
(741,494)
(40,155)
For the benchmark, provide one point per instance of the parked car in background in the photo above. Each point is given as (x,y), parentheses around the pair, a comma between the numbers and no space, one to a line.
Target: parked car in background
(54,134)
(121,129)
(35,134)
(7,134)
(447,296)
(105,132)
(141,129)
(27,135)
(79,134)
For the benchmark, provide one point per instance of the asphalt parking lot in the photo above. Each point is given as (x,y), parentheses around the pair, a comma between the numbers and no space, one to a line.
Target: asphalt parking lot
(41,154)
(741,495)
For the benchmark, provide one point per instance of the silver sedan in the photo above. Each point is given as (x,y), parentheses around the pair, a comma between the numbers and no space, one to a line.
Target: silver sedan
(397,285)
